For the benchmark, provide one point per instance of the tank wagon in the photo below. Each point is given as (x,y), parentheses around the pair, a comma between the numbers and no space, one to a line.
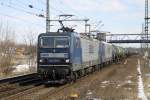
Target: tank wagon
(66,56)
(119,53)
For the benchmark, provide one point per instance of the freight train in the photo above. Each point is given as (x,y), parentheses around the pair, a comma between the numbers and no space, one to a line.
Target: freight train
(68,55)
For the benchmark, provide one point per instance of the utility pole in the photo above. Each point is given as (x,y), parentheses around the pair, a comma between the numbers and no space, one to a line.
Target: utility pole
(146,37)
(146,24)
(47,17)
(142,38)
(85,26)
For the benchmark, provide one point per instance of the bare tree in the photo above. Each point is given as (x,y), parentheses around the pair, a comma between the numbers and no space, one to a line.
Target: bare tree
(30,41)
(7,48)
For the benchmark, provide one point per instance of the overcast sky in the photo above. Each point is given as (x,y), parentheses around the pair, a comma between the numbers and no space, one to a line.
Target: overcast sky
(118,16)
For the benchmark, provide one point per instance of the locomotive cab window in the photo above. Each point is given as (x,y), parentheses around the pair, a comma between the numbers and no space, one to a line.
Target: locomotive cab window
(54,42)
(61,42)
(47,42)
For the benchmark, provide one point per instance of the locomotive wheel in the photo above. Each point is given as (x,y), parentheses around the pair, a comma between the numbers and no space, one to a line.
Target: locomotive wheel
(97,67)
(100,67)
(73,77)
(82,72)
(76,75)
(79,74)
(93,69)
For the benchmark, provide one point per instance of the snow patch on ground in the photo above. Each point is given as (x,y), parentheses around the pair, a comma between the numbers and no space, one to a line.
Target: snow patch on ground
(21,68)
(105,82)
(102,86)
(89,96)
(141,94)
(129,81)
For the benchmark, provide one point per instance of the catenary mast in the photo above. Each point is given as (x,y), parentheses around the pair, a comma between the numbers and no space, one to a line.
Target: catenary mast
(47,17)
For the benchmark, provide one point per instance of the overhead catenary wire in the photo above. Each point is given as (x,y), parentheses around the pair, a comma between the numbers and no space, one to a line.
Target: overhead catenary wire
(53,8)
(73,10)
(19,9)
(22,10)
(20,19)
(30,5)
(17,6)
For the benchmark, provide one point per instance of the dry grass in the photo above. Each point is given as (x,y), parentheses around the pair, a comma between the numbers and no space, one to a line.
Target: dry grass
(6,64)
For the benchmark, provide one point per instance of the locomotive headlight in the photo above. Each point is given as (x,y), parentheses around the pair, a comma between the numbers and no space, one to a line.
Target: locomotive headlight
(41,60)
(67,60)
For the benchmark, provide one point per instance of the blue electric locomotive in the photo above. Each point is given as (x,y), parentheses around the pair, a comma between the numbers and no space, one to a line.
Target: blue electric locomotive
(65,56)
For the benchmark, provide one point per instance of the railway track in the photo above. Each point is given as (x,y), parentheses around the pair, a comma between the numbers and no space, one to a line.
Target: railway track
(36,93)
(20,94)
(6,87)
(17,84)
(17,92)
(40,92)
(31,92)
(13,91)
(17,78)
(19,87)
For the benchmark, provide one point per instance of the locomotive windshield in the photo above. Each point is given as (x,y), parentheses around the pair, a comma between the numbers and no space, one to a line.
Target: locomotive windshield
(54,42)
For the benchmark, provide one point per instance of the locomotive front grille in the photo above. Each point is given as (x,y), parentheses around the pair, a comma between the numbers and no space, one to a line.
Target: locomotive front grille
(54,61)
(54,55)
(54,65)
